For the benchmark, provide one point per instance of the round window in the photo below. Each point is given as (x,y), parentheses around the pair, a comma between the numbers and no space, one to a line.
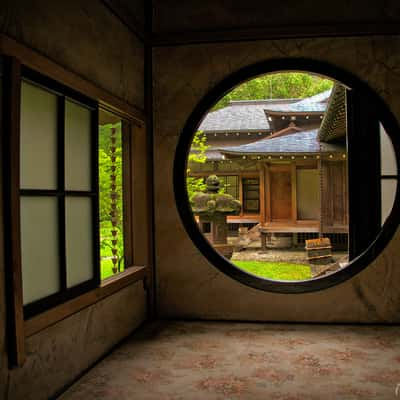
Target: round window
(286,175)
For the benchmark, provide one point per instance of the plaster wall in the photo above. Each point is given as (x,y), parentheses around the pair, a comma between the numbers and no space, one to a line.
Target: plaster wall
(215,15)
(59,354)
(187,285)
(86,38)
(132,12)
(308,200)
(82,36)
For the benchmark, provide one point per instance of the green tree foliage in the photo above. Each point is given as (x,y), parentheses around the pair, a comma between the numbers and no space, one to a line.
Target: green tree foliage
(105,189)
(283,85)
(197,155)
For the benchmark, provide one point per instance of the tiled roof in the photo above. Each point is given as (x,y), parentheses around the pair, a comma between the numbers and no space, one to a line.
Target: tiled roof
(316,103)
(301,142)
(333,126)
(236,117)
(292,128)
(214,155)
(249,115)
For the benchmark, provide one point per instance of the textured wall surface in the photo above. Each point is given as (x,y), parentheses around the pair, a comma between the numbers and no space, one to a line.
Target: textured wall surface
(132,12)
(83,36)
(86,38)
(188,286)
(57,355)
(192,15)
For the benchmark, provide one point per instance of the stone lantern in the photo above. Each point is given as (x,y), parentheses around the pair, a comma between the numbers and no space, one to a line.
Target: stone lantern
(212,208)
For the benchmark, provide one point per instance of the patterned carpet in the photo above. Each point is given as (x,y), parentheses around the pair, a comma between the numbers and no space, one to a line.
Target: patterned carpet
(220,360)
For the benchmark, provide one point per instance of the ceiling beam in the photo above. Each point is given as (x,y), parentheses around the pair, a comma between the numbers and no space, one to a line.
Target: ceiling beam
(159,39)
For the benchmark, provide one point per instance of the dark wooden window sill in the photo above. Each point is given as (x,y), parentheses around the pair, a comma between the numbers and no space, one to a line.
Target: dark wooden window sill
(107,287)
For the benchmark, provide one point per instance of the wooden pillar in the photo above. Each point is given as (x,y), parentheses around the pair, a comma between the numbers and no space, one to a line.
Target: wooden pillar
(267,198)
(364,172)
(10,180)
(263,236)
(321,199)
(294,191)
(261,174)
(241,193)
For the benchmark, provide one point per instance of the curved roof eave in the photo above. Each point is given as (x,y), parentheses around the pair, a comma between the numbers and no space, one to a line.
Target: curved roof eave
(300,142)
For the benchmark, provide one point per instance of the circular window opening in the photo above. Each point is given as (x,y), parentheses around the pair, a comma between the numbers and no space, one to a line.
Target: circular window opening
(289,178)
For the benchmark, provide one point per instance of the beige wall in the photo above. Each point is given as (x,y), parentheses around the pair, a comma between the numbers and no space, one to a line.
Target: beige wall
(132,13)
(60,353)
(82,36)
(86,38)
(211,15)
(188,286)
(308,199)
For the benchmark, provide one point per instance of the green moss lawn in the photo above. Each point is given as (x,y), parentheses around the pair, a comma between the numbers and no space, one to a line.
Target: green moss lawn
(279,271)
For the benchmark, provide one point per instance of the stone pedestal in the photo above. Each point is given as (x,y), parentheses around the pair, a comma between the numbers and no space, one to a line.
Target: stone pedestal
(219,229)
(212,208)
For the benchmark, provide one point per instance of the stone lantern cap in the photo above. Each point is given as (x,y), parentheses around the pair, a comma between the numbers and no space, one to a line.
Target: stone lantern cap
(213,204)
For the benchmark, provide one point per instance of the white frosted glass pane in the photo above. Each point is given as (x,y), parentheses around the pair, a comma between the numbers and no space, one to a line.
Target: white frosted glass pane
(38,147)
(77,147)
(39,247)
(388,194)
(388,157)
(78,237)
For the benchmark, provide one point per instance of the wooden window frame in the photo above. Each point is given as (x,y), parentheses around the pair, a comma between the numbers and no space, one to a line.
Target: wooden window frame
(225,176)
(127,134)
(242,184)
(60,193)
(16,57)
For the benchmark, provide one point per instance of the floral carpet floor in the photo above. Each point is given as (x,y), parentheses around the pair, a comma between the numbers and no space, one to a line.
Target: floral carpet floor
(220,360)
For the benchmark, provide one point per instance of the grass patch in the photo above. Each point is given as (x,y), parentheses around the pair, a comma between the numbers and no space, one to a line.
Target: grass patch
(279,271)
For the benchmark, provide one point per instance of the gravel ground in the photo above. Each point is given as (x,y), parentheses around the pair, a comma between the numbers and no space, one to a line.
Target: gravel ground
(296,256)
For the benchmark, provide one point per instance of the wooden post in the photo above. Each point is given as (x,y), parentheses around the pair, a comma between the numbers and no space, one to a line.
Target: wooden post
(262,192)
(15,316)
(321,197)
(241,194)
(294,191)
(263,240)
(364,172)
(267,194)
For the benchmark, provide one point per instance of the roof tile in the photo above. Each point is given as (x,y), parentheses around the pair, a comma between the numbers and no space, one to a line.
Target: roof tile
(249,115)
(301,142)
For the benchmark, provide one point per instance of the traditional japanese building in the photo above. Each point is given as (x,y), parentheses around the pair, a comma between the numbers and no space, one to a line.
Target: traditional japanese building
(285,160)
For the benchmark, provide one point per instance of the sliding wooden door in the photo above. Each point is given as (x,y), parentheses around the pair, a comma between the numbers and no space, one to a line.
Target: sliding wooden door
(280,189)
